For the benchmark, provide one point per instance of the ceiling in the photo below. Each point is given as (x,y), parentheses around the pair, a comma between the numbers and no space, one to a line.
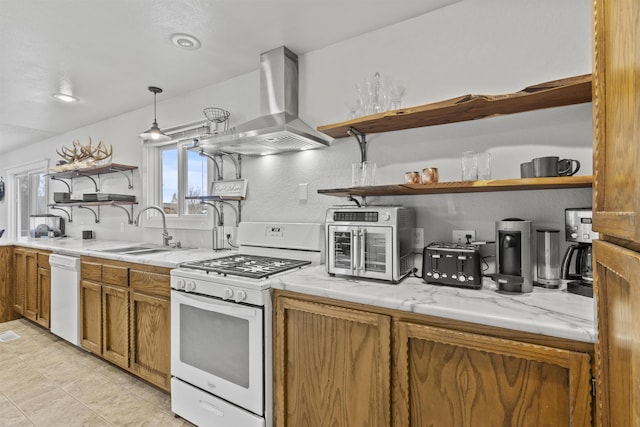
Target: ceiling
(107,52)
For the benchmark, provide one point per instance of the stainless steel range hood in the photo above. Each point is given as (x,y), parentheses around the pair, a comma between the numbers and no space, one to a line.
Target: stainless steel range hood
(279,129)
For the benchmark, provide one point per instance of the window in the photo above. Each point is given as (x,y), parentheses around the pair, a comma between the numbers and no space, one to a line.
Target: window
(173,173)
(28,190)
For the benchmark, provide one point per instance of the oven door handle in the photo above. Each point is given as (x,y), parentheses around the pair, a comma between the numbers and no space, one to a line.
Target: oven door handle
(355,250)
(211,304)
(363,245)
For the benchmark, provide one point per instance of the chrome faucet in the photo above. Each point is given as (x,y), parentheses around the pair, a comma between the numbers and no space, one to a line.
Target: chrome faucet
(165,234)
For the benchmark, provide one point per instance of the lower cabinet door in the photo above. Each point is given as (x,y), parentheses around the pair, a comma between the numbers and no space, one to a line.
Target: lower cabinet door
(44,297)
(151,338)
(31,285)
(115,325)
(450,378)
(617,291)
(91,316)
(332,365)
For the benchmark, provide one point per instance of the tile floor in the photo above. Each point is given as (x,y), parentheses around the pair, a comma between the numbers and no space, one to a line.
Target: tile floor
(45,381)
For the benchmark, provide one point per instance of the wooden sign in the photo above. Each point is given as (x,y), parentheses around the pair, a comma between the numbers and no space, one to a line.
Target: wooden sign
(236,188)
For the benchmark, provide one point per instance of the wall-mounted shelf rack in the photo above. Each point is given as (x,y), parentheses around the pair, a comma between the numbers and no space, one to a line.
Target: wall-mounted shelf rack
(91,206)
(556,93)
(464,187)
(125,170)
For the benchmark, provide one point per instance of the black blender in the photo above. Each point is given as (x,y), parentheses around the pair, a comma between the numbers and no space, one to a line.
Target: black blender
(577,265)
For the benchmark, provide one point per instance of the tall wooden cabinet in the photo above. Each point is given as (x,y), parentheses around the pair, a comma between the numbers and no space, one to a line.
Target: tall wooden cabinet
(344,364)
(616,204)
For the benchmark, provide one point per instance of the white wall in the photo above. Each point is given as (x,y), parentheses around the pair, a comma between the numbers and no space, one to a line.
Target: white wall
(475,46)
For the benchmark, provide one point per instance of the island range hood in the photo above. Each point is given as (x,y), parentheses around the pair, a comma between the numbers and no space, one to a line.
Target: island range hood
(279,129)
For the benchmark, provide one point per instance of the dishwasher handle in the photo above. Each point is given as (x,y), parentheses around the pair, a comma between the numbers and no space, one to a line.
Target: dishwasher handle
(64,262)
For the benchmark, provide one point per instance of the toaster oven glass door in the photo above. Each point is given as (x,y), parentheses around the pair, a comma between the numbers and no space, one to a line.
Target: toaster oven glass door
(361,251)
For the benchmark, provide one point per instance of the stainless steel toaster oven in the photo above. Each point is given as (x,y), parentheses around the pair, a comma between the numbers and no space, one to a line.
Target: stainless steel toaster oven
(372,242)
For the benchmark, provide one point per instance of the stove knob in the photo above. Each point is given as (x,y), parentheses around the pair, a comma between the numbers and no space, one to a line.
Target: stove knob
(241,296)
(228,293)
(191,286)
(462,278)
(386,216)
(180,284)
(436,275)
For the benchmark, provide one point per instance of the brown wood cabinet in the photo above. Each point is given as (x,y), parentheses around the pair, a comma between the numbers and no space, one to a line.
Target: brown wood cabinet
(452,378)
(32,278)
(7,285)
(150,319)
(616,198)
(104,308)
(125,316)
(334,365)
(617,272)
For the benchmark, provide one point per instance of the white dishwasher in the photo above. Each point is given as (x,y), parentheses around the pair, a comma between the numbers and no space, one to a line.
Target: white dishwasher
(65,297)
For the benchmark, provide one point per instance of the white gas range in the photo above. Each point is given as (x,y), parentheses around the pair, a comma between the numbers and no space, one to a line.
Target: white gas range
(221,324)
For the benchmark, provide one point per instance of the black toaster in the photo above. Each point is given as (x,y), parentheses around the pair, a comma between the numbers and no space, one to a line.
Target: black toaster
(452,264)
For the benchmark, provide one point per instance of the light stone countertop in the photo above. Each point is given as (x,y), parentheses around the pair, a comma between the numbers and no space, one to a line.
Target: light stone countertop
(71,246)
(550,312)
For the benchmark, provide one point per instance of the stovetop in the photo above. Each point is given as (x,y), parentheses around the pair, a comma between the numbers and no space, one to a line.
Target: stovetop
(251,266)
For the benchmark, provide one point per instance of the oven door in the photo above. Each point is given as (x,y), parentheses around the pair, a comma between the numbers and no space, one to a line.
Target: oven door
(218,347)
(364,251)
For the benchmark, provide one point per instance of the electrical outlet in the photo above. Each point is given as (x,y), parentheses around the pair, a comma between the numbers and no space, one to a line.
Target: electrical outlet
(231,232)
(463,236)
(417,238)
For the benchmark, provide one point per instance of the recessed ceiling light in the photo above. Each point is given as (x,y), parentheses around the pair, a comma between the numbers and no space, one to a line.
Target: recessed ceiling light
(65,97)
(185,41)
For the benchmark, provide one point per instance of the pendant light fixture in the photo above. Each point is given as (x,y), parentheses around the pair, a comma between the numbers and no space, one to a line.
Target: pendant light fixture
(154,133)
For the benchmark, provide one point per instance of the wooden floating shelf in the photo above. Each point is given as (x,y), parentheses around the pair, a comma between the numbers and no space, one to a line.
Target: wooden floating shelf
(215,198)
(96,170)
(464,187)
(557,93)
(100,203)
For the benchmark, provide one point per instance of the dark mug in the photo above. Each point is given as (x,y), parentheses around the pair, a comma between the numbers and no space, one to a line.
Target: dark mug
(526,170)
(566,167)
(553,166)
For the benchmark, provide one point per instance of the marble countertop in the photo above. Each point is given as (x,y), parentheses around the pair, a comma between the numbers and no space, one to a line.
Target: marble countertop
(71,246)
(551,312)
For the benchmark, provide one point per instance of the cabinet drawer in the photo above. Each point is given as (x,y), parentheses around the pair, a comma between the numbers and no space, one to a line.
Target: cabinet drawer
(115,275)
(91,271)
(43,260)
(151,283)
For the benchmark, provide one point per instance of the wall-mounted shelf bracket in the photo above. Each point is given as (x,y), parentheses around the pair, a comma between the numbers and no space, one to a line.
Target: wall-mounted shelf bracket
(69,213)
(129,214)
(218,175)
(362,142)
(94,181)
(129,177)
(354,200)
(96,215)
(62,181)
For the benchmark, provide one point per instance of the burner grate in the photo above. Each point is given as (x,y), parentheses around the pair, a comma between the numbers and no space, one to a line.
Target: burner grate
(251,266)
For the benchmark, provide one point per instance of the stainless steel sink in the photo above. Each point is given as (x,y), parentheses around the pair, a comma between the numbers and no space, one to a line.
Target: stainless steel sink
(136,250)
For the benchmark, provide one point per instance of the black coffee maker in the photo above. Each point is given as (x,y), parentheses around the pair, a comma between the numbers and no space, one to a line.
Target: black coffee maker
(577,265)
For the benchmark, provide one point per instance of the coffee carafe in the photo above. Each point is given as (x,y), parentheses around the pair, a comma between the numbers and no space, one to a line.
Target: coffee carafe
(577,264)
